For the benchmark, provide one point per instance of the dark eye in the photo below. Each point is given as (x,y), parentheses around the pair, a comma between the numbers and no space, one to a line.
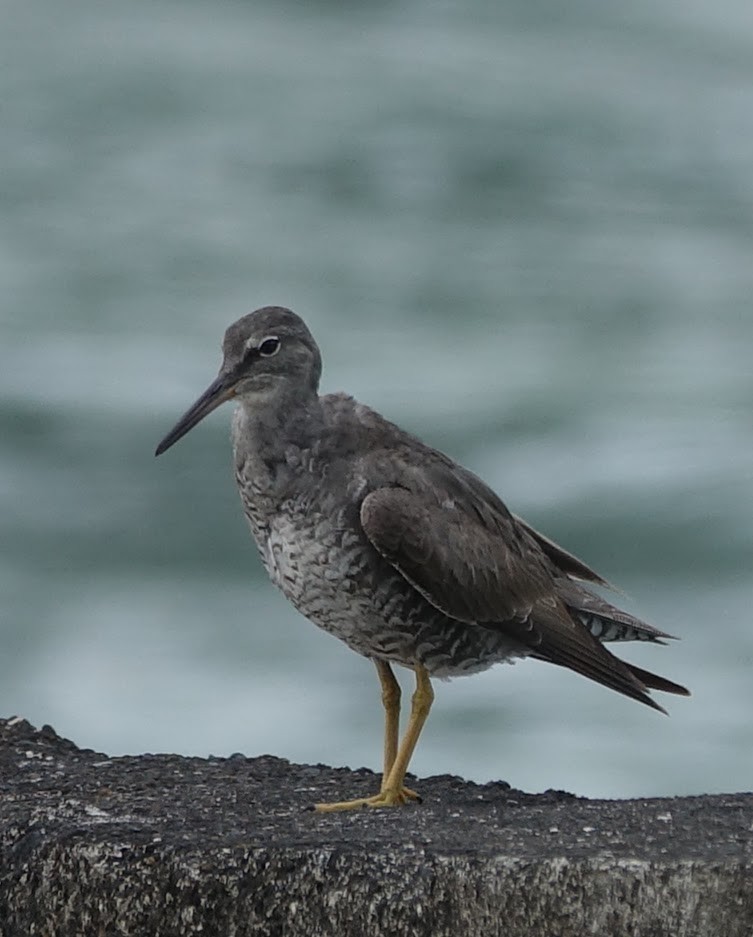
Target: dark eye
(270,346)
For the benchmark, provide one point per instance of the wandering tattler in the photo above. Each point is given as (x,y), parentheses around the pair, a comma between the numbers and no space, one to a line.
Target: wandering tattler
(394,548)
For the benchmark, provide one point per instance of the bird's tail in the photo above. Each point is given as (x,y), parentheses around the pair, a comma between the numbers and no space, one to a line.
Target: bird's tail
(653,681)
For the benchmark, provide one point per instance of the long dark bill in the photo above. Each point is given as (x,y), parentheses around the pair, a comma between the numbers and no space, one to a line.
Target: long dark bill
(218,392)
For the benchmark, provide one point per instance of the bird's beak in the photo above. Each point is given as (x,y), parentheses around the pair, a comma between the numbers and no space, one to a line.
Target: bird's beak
(218,392)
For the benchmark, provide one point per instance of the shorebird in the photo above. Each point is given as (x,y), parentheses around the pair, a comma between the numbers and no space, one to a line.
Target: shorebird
(393,547)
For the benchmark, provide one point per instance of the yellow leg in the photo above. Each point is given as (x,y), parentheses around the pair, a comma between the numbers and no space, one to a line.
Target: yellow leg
(392,792)
(391,703)
(421,702)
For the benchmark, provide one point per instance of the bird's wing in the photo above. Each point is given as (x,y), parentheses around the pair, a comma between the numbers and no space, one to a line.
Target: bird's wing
(466,568)
(569,564)
(605,621)
(471,560)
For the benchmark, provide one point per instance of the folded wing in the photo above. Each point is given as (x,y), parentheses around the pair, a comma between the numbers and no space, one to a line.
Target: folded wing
(475,562)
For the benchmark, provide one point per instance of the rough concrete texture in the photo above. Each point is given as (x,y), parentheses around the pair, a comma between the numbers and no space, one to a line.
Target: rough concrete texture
(160,845)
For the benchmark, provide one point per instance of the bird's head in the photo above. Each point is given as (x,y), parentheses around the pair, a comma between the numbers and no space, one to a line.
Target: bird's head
(267,354)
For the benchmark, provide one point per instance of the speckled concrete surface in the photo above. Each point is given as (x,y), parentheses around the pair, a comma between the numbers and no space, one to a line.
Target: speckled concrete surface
(163,845)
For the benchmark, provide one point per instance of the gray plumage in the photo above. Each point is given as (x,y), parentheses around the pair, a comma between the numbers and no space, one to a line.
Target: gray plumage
(387,543)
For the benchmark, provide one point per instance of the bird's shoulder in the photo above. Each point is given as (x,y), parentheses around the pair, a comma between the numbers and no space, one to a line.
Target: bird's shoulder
(383,455)
(415,501)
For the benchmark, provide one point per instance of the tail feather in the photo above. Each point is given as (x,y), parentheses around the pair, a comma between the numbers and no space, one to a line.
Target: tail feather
(597,621)
(654,682)
(604,620)
(556,636)
(616,675)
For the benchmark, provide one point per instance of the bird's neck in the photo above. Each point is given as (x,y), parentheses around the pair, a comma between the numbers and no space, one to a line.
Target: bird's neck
(268,430)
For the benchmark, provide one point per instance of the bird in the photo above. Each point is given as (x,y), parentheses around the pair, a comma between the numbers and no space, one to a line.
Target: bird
(394,548)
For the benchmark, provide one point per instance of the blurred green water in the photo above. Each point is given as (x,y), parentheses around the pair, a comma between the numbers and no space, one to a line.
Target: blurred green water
(526,238)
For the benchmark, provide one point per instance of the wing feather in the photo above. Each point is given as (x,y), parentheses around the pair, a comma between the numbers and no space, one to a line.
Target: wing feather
(567,562)
(464,569)
(477,563)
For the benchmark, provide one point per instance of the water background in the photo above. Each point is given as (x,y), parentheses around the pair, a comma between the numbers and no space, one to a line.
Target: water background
(524,232)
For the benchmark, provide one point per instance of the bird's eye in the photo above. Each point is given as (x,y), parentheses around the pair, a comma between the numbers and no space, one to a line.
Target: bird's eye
(270,346)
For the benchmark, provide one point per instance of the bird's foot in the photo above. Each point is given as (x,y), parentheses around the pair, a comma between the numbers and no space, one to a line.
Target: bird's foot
(394,797)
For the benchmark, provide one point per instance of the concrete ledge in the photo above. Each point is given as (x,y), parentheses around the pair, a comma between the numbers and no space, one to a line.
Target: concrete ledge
(164,845)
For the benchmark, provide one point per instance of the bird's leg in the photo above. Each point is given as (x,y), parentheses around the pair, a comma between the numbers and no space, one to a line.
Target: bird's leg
(392,792)
(423,697)
(391,703)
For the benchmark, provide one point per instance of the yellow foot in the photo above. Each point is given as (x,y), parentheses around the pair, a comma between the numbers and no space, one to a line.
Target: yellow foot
(388,798)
